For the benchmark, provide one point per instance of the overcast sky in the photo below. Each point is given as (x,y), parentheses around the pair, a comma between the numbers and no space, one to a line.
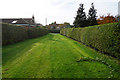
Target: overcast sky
(54,10)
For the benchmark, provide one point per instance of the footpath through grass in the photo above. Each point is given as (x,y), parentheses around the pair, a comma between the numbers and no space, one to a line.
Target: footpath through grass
(56,56)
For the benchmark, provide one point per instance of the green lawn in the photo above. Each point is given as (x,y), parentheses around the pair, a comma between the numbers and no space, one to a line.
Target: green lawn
(56,56)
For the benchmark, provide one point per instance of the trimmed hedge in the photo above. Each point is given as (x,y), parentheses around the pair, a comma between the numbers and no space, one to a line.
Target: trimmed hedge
(36,32)
(54,31)
(13,33)
(105,38)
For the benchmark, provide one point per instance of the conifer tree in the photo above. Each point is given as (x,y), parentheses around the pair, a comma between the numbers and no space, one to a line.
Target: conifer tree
(92,16)
(80,19)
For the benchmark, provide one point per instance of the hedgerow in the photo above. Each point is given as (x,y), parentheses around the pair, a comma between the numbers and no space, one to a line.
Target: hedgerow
(105,38)
(54,31)
(13,33)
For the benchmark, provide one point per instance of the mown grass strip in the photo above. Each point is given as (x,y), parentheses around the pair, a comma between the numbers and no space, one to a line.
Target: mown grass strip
(55,56)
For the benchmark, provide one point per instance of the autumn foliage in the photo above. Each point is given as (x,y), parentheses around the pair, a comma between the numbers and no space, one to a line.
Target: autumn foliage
(106,19)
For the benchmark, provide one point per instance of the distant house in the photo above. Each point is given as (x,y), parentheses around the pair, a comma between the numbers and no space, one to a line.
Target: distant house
(39,25)
(52,26)
(56,26)
(27,22)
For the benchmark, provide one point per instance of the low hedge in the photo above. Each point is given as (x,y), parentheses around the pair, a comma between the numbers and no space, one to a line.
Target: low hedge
(13,33)
(105,38)
(54,31)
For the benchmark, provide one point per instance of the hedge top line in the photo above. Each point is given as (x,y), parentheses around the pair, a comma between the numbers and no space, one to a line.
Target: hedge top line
(95,26)
(19,25)
(11,24)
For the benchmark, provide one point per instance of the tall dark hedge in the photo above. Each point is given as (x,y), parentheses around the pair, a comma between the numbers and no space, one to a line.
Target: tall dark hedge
(105,38)
(13,34)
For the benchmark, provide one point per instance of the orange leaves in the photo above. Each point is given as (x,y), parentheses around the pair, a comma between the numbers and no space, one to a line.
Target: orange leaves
(106,19)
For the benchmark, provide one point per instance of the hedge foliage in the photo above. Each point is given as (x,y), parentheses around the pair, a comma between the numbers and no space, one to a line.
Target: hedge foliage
(105,38)
(54,31)
(13,33)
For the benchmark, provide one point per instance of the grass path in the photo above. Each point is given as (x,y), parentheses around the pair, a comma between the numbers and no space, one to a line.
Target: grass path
(55,56)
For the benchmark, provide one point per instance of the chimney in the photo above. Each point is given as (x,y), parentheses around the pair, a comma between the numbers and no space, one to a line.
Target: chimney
(33,18)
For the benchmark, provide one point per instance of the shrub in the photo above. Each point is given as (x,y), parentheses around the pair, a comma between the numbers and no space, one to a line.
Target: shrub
(105,38)
(13,33)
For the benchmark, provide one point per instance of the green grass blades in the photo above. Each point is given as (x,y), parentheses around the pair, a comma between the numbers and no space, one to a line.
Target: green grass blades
(56,56)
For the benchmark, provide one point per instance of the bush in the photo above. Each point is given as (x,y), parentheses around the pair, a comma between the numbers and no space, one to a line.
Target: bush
(13,33)
(105,38)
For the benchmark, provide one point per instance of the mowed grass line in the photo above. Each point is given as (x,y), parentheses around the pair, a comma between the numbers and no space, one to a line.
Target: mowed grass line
(54,56)
(33,60)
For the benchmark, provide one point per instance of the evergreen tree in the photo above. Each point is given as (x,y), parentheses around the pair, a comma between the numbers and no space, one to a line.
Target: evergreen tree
(92,16)
(80,19)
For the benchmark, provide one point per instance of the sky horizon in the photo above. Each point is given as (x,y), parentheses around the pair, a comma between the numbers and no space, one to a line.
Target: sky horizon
(54,10)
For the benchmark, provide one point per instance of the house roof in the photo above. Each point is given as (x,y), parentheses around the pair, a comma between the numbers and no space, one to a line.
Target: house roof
(18,20)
